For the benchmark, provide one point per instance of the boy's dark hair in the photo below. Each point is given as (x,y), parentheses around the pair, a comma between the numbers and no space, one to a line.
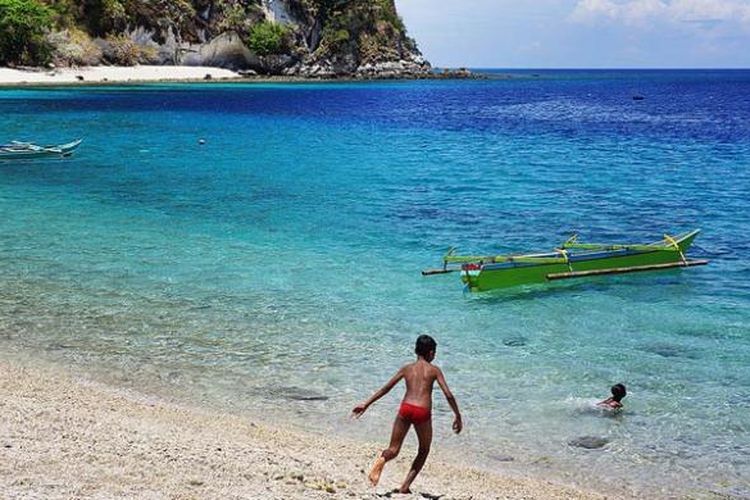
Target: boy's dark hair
(425,344)
(618,392)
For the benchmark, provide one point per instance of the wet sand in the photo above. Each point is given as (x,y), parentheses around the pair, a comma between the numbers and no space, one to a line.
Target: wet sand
(62,436)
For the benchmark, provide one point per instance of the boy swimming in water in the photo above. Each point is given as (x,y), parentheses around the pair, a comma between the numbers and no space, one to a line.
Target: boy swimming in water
(416,409)
(614,402)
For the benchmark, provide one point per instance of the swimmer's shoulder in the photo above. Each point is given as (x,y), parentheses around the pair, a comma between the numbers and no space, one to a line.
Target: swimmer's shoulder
(610,406)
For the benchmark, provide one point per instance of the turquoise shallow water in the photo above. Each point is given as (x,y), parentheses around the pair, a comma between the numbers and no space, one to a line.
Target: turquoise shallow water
(278,264)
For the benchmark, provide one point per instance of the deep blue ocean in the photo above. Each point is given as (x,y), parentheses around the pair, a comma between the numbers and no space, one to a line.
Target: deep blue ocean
(275,270)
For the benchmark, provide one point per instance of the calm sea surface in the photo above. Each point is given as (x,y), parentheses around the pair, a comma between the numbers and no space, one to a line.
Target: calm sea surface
(279,264)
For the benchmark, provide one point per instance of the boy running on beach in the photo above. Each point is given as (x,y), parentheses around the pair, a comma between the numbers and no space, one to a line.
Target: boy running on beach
(416,409)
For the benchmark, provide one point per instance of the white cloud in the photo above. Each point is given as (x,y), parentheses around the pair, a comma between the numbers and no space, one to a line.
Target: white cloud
(632,12)
(588,11)
(657,12)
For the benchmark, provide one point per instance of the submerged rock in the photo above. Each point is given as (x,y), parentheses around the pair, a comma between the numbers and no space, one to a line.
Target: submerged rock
(589,442)
(515,341)
(669,351)
(308,398)
(293,393)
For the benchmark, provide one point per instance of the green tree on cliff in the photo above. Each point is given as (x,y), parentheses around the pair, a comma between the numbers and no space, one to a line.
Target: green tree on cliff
(268,37)
(23,24)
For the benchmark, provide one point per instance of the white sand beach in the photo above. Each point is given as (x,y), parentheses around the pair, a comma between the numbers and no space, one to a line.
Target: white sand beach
(112,74)
(66,437)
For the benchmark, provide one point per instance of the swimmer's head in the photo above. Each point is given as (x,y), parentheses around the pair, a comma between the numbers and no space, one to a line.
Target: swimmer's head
(618,392)
(426,347)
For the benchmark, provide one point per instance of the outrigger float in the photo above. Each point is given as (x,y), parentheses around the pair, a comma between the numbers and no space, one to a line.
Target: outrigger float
(571,260)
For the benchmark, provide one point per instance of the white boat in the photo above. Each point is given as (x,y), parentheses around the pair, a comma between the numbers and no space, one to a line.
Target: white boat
(30,151)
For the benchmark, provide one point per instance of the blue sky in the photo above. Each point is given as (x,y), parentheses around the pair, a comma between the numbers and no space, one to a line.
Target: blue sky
(581,33)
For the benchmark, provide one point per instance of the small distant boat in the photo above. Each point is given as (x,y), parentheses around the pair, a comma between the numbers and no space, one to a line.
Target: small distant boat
(571,260)
(30,151)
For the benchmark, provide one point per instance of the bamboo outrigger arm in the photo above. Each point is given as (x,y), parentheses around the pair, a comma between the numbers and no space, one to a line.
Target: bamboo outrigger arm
(597,246)
(624,270)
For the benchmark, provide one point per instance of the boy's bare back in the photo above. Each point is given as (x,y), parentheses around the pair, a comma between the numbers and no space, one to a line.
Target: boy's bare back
(420,378)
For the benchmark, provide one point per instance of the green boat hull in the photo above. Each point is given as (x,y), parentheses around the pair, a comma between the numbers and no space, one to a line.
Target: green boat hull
(509,274)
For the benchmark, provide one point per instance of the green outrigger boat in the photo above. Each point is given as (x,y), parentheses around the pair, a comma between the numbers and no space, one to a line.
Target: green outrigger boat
(571,260)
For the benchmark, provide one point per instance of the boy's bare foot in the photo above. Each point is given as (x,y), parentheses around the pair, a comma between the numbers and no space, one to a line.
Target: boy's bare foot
(406,491)
(377,470)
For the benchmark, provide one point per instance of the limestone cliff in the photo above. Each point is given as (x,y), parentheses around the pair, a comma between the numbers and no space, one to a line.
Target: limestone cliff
(314,38)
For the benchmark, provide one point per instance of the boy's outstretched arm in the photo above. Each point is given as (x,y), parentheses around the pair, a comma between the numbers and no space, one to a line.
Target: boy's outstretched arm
(360,408)
(457,422)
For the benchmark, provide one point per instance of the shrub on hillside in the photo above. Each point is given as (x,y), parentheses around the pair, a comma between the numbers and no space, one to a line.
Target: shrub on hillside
(268,37)
(103,16)
(23,24)
(65,13)
(332,38)
(123,50)
(73,47)
(236,15)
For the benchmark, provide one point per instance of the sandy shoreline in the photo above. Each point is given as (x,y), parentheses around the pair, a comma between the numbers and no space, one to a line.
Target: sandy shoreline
(113,75)
(62,437)
(119,75)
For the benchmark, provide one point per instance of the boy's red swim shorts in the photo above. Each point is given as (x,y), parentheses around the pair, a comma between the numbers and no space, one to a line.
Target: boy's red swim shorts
(414,414)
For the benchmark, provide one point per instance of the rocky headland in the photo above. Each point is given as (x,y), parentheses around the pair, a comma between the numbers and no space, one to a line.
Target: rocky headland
(291,38)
